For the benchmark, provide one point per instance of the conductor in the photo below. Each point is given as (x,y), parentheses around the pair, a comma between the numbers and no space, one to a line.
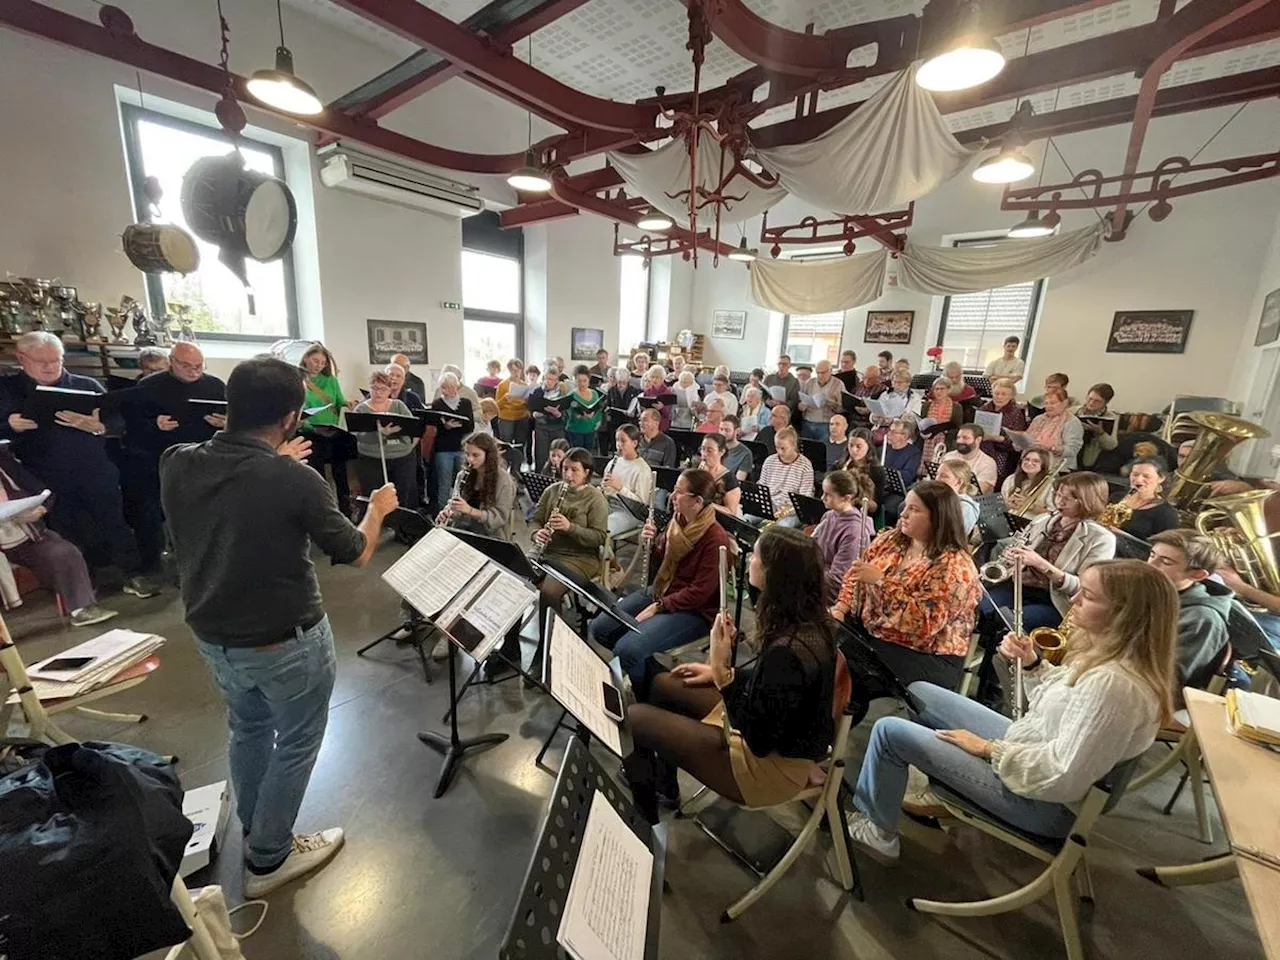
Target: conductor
(243,511)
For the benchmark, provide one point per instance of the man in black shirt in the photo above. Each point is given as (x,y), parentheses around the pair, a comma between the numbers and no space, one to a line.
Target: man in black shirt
(160,414)
(243,513)
(70,458)
(656,448)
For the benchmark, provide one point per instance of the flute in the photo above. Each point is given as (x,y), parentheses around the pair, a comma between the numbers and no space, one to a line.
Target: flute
(1018,680)
(864,541)
(646,543)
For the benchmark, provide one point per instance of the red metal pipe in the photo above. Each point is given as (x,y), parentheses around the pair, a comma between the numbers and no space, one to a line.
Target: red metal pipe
(1194,23)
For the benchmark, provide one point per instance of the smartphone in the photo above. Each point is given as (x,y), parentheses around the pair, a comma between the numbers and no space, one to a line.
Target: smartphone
(67,664)
(612,701)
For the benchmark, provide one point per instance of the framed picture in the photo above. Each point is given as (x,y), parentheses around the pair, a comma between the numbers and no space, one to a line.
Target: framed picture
(889,326)
(585,343)
(1269,322)
(729,324)
(1150,331)
(389,337)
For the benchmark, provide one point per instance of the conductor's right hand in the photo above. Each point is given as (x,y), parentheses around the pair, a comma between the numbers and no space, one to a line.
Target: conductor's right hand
(384,499)
(1015,648)
(20,424)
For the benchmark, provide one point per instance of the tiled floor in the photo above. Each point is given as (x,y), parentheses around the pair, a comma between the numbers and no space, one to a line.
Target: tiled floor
(439,878)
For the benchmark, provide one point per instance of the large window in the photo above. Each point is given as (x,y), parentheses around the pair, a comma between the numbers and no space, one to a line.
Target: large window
(492,317)
(633,313)
(808,338)
(975,325)
(163,147)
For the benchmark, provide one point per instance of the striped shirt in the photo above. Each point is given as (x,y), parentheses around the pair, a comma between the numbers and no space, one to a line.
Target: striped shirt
(783,479)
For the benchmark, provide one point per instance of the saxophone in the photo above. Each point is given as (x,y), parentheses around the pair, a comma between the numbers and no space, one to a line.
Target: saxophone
(459,482)
(1052,641)
(540,546)
(1116,515)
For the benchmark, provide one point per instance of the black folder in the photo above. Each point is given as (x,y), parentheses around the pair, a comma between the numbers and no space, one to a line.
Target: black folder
(369,423)
(656,403)
(199,409)
(43,403)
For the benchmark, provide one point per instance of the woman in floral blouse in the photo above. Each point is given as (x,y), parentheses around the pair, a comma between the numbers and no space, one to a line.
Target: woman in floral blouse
(919,593)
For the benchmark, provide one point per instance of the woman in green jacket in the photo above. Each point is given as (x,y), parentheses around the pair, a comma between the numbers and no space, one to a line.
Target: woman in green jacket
(329,444)
(586,412)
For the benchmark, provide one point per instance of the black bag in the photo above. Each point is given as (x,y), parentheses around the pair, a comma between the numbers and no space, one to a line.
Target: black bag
(91,837)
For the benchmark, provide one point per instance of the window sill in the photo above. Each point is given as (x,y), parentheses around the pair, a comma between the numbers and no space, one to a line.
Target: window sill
(232,349)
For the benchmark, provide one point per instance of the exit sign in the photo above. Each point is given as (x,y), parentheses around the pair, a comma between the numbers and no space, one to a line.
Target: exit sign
(450,305)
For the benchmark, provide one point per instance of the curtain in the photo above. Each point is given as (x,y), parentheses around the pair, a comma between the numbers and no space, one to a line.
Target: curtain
(951,270)
(824,286)
(893,149)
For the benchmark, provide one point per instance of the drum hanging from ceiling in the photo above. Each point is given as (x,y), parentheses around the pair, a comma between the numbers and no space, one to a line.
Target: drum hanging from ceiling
(244,213)
(160,248)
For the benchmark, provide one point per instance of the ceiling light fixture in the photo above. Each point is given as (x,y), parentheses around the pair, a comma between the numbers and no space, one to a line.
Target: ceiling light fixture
(742,253)
(530,178)
(1033,226)
(281,88)
(1011,163)
(654,220)
(972,57)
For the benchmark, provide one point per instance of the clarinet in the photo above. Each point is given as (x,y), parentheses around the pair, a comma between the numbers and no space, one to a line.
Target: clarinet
(459,482)
(539,546)
(646,543)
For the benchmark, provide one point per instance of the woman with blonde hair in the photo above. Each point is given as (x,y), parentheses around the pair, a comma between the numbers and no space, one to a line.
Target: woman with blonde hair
(1102,706)
(955,473)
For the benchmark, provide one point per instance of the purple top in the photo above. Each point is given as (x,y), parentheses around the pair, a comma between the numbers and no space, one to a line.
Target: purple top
(840,537)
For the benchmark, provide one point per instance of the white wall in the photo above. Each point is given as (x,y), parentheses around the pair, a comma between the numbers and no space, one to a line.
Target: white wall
(583,282)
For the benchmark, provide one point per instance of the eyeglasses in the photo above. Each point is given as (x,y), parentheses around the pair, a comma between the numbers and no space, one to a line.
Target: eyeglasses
(193,367)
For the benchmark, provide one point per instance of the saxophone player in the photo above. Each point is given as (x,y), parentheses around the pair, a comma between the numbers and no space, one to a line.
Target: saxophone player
(786,472)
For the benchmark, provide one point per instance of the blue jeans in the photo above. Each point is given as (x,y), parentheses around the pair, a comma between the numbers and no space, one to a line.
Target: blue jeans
(897,742)
(816,431)
(446,467)
(277,708)
(1037,609)
(662,632)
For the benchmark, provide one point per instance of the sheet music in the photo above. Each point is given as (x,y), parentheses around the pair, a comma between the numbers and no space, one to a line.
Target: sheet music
(434,571)
(12,508)
(778,393)
(990,422)
(577,680)
(1020,439)
(499,602)
(607,911)
(874,406)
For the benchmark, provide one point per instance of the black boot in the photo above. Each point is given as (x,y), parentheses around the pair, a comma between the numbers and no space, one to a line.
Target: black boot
(640,773)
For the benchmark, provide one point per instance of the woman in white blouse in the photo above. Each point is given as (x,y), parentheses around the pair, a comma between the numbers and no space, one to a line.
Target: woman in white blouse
(1103,705)
(687,394)
(627,475)
(750,413)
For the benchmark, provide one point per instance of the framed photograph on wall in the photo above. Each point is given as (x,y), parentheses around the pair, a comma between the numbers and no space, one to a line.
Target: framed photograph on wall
(389,337)
(889,326)
(585,343)
(1269,322)
(1150,331)
(729,324)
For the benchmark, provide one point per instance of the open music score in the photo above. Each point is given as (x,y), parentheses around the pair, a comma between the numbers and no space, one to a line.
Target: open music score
(434,571)
(578,677)
(606,911)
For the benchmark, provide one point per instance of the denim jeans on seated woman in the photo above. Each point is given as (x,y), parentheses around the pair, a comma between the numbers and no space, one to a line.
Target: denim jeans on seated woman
(277,700)
(666,631)
(897,742)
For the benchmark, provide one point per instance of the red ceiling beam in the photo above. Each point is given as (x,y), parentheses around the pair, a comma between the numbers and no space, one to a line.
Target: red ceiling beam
(508,76)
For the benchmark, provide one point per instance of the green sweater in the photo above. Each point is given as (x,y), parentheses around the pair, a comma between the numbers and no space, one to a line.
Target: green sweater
(582,420)
(327,418)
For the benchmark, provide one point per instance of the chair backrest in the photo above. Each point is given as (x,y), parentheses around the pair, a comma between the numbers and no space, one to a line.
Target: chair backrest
(1245,635)
(1221,670)
(1116,782)
(843,687)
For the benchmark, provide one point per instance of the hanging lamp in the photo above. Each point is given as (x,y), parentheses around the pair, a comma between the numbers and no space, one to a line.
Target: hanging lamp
(1011,163)
(655,221)
(530,178)
(742,253)
(1033,226)
(971,58)
(281,88)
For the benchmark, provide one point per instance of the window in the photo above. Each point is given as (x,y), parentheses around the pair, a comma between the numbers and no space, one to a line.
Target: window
(221,308)
(492,314)
(808,338)
(974,325)
(633,314)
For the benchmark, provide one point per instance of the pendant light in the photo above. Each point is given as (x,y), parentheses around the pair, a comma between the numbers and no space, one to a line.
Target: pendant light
(742,253)
(971,58)
(1011,163)
(655,221)
(530,178)
(1033,226)
(281,88)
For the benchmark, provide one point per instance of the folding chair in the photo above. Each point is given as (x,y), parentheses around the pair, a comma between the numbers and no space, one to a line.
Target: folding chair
(1065,857)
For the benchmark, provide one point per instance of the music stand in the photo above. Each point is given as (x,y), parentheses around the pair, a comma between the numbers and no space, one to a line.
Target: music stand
(816,451)
(531,934)
(981,383)
(808,510)
(688,442)
(756,500)
(861,657)
(536,484)
(641,512)
(667,477)
(600,464)
(923,381)
(893,482)
(591,593)
(993,521)
(931,468)
(759,453)
(370,422)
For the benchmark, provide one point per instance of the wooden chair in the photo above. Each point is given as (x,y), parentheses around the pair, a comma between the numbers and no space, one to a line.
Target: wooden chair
(1065,857)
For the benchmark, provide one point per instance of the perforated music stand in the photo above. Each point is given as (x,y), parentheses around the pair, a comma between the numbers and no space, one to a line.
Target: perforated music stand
(923,381)
(688,442)
(531,935)
(808,509)
(537,483)
(893,482)
(816,451)
(931,468)
(981,383)
(993,520)
(756,500)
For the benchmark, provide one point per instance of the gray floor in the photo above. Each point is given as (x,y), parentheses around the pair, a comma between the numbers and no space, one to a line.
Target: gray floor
(438,878)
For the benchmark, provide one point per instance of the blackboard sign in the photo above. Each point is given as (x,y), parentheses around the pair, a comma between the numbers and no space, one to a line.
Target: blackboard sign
(1150,331)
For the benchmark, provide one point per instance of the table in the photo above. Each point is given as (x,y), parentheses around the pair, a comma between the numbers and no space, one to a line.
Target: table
(1244,777)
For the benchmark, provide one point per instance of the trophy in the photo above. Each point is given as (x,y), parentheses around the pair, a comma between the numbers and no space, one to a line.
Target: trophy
(91,320)
(116,321)
(63,299)
(144,335)
(10,311)
(182,313)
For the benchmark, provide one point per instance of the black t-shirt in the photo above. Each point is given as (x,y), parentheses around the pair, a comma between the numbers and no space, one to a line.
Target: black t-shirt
(163,394)
(450,440)
(1145,524)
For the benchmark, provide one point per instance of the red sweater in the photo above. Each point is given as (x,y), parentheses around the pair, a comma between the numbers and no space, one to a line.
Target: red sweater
(695,587)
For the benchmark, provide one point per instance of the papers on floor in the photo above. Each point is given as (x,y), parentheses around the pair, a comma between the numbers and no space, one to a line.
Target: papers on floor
(990,422)
(578,677)
(607,911)
(90,665)
(468,596)
(1251,716)
(10,509)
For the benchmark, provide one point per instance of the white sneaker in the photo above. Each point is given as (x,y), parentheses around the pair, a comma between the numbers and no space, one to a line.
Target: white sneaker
(876,843)
(924,803)
(441,649)
(310,850)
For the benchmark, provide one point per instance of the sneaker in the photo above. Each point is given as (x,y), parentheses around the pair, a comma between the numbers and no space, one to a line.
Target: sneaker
(441,650)
(141,587)
(88,616)
(880,846)
(310,850)
(924,803)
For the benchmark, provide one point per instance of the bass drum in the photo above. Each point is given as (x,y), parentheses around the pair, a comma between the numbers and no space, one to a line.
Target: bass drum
(160,248)
(243,212)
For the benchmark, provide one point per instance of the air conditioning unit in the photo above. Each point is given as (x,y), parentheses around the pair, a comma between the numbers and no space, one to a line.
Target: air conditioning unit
(345,168)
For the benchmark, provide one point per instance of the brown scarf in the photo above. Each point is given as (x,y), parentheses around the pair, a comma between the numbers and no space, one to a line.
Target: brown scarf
(680,541)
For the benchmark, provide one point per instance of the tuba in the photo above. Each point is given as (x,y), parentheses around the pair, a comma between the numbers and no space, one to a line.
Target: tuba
(1220,433)
(1237,526)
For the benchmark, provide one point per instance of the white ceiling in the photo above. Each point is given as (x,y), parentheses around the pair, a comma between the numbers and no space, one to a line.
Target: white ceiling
(622,49)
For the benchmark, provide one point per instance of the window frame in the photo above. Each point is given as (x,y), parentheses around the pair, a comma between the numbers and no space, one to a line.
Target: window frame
(1033,311)
(497,316)
(786,330)
(647,335)
(130,116)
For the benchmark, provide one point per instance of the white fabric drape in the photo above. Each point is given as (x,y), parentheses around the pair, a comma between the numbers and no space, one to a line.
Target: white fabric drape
(893,149)
(825,286)
(954,270)
(665,171)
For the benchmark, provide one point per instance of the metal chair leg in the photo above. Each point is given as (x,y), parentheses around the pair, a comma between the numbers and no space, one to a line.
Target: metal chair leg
(1213,870)
(108,715)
